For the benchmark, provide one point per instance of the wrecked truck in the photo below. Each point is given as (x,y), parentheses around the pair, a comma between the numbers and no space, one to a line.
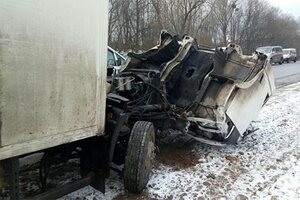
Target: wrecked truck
(211,96)
(54,99)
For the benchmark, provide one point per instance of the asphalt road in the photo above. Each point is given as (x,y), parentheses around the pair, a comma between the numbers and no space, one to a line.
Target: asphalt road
(286,73)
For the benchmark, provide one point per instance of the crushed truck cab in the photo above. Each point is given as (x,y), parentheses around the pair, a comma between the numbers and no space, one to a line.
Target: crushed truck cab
(210,95)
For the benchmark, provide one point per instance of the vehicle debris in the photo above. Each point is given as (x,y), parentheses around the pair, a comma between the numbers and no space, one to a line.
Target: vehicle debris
(211,95)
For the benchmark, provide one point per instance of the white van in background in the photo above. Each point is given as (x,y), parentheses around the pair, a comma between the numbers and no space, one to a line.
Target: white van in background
(289,54)
(274,53)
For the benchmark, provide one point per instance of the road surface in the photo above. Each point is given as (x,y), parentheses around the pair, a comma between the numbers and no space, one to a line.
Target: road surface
(286,73)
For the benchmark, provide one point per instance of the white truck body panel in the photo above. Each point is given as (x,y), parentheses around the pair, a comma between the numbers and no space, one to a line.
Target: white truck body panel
(248,102)
(53,57)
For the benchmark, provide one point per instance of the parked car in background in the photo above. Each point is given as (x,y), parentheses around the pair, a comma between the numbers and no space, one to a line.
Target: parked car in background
(289,54)
(114,60)
(274,53)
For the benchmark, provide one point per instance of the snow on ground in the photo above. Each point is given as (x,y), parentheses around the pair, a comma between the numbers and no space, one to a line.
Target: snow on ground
(265,165)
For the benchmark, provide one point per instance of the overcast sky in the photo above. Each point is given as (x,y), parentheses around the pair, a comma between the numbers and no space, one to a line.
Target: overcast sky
(288,6)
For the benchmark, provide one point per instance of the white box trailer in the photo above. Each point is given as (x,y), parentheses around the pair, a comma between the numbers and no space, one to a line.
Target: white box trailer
(53,60)
(52,73)
(53,68)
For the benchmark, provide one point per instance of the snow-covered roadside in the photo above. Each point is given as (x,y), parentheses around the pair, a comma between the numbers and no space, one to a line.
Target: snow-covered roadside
(265,165)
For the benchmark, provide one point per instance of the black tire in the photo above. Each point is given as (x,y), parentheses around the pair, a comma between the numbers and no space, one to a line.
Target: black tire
(139,157)
(288,60)
(280,62)
(295,60)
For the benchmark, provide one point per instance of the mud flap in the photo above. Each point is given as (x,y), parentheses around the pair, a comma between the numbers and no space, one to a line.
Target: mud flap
(2,173)
(11,169)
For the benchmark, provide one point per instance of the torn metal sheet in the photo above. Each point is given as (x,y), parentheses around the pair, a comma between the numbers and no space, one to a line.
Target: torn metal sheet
(210,94)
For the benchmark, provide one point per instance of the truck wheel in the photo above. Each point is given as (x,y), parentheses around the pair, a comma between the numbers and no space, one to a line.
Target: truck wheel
(139,157)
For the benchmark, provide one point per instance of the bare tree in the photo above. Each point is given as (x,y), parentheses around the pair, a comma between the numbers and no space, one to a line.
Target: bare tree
(135,24)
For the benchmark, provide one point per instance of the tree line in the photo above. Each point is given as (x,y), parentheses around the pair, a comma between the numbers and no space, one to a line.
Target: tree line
(136,24)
